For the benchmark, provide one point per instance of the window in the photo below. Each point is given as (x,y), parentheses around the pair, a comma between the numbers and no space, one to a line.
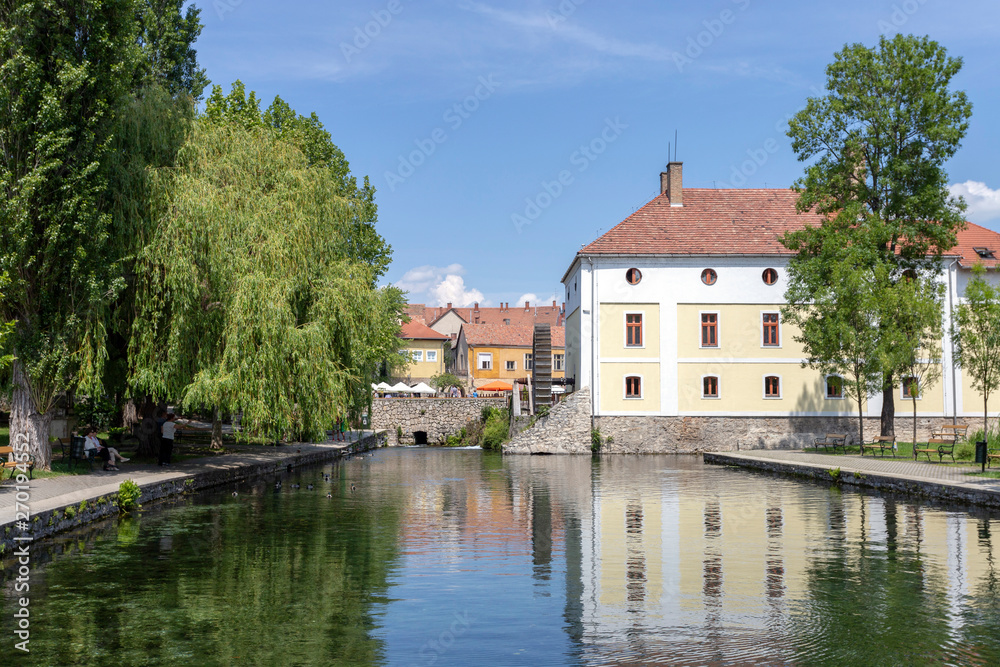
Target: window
(710,386)
(710,330)
(558,362)
(633,387)
(485,361)
(633,330)
(633,276)
(770,329)
(770,276)
(432,355)
(834,386)
(529,362)
(418,355)
(772,386)
(709,276)
(512,365)
(911,388)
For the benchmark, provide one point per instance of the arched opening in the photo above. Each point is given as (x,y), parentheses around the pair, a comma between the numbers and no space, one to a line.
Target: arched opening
(420,437)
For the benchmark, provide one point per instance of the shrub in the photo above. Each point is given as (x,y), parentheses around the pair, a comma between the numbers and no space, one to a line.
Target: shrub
(70,512)
(128,496)
(496,430)
(97,412)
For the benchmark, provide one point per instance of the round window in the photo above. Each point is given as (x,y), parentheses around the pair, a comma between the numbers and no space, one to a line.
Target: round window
(708,276)
(633,276)
(770,276)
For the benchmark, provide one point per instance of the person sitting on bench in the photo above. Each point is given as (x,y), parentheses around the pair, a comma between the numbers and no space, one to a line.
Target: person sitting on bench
(108,454)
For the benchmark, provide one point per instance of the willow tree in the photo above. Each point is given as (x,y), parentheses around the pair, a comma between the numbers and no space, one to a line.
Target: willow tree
(65,67)
(248,299)
(876,145)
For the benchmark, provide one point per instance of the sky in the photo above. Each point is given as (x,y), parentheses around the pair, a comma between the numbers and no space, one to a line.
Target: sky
(503,136)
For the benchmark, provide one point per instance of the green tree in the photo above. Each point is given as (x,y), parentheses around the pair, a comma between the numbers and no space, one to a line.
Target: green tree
(838,316)
(248,297)
(64,70)
(5,330)
(167,39)
(912,340)
(976,334)
(442,381)
(876,144)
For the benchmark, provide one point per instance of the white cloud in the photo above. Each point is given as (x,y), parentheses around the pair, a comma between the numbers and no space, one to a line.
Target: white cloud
(532,298)
(984,203)
(439,286)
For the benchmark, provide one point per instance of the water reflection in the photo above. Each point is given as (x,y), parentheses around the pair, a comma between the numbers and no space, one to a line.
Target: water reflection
(458,557)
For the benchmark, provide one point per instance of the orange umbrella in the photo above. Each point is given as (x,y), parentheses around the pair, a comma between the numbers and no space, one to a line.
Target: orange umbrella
(496,385)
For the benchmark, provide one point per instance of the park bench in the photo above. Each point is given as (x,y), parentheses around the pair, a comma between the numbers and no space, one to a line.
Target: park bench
(943,446)
(882,443)
(833,440)
(951,431)
(5,452)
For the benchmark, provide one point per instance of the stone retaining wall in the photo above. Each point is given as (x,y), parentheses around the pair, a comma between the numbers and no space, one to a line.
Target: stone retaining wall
(565,430)
(51,522)
(692,435)
(437,417)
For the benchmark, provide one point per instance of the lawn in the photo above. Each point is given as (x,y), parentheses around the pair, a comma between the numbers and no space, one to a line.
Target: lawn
(965,452)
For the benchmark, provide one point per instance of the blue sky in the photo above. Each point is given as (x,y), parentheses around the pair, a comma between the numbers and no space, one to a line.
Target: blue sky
(464,114)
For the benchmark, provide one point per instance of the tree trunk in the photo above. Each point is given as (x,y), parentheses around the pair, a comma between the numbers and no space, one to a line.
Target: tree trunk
(130,414)
(861,426)
(149,437)
(216,429)
(914,422)
(888,425)
(27,422)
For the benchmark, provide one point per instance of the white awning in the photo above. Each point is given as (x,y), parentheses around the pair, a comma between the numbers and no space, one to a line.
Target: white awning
(423,388)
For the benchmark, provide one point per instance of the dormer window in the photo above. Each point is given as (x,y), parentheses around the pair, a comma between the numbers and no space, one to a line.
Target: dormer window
(984,253)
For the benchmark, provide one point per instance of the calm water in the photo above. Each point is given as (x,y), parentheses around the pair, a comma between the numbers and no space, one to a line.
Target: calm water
(464,558)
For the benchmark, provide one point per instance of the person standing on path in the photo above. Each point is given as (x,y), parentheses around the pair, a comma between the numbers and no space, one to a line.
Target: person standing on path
(167,439)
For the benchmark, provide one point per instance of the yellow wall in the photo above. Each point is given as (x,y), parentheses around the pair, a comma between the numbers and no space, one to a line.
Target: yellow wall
(613,387)
(741,389)
(501,355)
(740,332)
(972,401)
(612,330)
(424,369)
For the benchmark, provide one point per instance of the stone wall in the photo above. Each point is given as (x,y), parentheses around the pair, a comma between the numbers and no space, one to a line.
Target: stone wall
(565,430)
(437,417)
(691,435)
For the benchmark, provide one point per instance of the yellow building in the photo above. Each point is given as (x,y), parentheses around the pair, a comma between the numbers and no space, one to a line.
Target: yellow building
(426,350)
(674,322)
(487,352)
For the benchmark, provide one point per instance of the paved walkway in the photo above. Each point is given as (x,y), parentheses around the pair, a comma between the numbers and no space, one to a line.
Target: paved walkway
(55,492)
(952,476)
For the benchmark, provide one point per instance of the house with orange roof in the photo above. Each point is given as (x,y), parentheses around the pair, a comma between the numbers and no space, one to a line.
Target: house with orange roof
(673,321)
(427,352)
(487,352)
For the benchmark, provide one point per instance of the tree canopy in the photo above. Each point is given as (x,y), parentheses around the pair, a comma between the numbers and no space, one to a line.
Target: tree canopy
(250,299)
(876,144)
(976,333)
(166,38)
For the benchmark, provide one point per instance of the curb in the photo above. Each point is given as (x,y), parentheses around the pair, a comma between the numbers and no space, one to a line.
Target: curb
(950,492)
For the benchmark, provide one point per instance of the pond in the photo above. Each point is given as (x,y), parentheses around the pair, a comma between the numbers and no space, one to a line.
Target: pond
(458,557)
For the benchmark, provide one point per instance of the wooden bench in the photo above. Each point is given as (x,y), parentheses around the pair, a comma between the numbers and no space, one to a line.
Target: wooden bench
(13,465)
(882,443)
(944,446)
(833,440)
(952,431)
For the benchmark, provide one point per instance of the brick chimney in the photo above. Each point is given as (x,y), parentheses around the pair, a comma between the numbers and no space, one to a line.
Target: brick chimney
(553,303)
(527,306)
(675,183)
(449,305)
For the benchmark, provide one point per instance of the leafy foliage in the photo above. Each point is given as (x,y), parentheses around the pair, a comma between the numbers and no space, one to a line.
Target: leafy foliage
(128,496)
(249,299)
(496,429)
(166,39)
(98,412)
(976,333)
(444,380)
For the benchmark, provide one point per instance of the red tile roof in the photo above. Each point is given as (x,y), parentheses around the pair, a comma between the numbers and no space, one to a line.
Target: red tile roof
(738,222)
(517,314)
(508,335)
(418,331)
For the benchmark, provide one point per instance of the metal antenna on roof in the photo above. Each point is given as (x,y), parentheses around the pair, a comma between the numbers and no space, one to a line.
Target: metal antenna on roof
(675,145)
(668,155)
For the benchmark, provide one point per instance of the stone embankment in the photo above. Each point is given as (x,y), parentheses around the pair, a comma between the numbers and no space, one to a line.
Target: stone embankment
(427,420)
(694,435)
(565,430)
(58,504)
